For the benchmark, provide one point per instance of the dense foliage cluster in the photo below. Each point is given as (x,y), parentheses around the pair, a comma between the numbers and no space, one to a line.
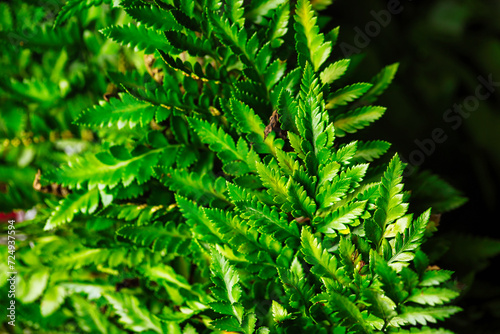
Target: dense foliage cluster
(217,187)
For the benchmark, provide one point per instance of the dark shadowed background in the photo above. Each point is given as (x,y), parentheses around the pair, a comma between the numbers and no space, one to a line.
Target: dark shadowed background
(442,116)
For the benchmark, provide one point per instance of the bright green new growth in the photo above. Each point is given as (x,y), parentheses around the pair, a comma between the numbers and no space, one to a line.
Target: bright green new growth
(232,222)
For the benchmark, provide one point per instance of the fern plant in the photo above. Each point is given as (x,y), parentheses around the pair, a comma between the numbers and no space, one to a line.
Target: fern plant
(227,194)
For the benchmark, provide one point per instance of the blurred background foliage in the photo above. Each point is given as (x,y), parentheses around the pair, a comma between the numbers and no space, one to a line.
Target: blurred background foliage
(48,78)
(442,47)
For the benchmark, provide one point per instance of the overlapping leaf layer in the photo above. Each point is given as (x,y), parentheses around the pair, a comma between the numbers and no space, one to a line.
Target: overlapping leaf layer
(228,193)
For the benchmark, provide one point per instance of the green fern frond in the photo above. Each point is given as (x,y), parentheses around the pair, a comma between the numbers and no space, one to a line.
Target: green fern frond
(247,121)
(44,92)
(406,243)
(119,112)
(202,227)
(356,119)
(297,289)
(261,8)
(90,319)
(347,94)
(110,256)
(301,203)
(194,45)
(280,314)
(271,178)
(435,277)
(323,263)
(432,296)
(224,145)
(334,71)
(274,72)
(132,313)
(154,17)
(132,212)
(279,25)
(234,11)
(380,82)
(235,38)
(196,71)
(311,46)
(158,237)
(234,230)
(140,37)
(343,215)
(74,7)
(200,187)
(345,153)
(391,282)
(348,310)
(390,204)
(269,221)
(215,189)
(312,121)
(370,150)
(340,185)
(423,316)
(109,168)
(85,203)
(228,292)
